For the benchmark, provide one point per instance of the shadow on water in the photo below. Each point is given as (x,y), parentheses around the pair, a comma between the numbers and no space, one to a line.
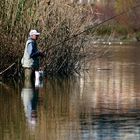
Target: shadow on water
(99,105)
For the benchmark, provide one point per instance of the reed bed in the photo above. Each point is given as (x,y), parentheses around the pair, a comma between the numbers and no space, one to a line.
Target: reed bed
(58,21)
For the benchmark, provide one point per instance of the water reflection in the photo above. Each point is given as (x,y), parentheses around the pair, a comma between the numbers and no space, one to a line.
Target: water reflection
(29,96)
(106,127)
(110,107)
(99,105)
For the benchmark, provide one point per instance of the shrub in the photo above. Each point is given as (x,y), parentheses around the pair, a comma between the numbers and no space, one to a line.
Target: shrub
(57,21)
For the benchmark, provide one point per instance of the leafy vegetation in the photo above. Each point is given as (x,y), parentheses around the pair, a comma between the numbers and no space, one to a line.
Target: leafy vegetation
(130,18)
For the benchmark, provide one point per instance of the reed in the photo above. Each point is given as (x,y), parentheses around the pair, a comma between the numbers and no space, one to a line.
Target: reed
(57,21)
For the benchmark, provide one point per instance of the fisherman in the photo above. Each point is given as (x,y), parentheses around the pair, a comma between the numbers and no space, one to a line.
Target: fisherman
(30,59)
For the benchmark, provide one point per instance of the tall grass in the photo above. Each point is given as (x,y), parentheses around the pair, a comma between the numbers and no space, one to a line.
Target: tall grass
(57,21)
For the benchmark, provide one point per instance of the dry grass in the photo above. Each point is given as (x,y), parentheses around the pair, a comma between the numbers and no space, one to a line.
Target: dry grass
(57,21)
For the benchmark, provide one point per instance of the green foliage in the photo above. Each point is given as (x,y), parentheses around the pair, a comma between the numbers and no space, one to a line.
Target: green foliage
(121,30)
(123,5)
(138,36)
(104,30)
(129,19)
(107,29)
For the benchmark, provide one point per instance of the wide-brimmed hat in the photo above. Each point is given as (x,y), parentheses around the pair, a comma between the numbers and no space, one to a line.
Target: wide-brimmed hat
(34,32)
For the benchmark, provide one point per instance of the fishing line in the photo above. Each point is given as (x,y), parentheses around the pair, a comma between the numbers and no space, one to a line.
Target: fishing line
(113,17)
(75,35)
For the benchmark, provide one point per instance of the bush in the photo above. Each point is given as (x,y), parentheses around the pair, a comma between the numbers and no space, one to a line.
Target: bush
(138,36)
(57,21)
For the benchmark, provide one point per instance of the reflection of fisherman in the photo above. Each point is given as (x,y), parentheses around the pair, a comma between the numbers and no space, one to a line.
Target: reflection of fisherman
(30,60)
(29,96)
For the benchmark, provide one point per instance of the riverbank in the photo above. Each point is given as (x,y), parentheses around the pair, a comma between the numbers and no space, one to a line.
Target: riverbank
(101,40)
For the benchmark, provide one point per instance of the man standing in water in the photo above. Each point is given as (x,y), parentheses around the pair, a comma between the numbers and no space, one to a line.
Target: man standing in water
(30,60)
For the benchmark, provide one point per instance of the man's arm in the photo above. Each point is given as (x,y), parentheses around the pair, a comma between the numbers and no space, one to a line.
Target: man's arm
(31,53)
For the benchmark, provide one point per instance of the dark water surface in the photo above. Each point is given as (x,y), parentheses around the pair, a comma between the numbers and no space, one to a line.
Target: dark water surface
(102,104)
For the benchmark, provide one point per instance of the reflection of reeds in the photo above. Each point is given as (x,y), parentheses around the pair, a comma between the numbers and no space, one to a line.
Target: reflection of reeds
(59,110)
(10,108)
(57,21)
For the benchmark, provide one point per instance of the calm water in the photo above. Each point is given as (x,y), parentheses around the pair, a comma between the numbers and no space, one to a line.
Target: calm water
(102,104)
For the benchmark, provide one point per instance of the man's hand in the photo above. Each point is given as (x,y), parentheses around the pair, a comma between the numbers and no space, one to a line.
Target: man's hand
(42,53)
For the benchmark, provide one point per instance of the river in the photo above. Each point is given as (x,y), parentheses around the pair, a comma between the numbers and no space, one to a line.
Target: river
(102,104)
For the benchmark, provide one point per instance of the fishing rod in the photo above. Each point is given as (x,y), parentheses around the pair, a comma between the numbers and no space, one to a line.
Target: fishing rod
(113,17)
(95,26)
(75,35)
